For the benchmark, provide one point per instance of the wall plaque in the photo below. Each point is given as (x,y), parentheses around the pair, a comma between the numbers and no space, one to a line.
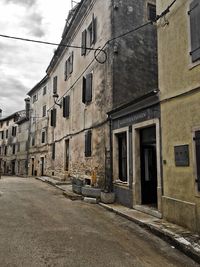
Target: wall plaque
(181,154)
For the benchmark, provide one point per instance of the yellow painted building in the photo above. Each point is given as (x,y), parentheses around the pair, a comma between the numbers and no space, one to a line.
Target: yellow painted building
(179,84)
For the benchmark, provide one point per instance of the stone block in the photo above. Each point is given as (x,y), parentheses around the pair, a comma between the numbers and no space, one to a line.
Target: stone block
(88,191)
(90,200)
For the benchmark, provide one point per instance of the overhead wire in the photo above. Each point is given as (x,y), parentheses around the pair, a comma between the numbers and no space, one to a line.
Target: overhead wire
(97,51)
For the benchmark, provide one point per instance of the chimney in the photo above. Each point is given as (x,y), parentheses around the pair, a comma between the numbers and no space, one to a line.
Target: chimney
(27,107)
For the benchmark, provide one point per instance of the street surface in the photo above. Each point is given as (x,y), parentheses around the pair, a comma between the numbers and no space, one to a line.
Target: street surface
(40,227)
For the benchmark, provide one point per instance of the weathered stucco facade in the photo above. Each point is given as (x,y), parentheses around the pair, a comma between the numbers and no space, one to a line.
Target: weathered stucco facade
(38,128)
(13,144)
(179,85)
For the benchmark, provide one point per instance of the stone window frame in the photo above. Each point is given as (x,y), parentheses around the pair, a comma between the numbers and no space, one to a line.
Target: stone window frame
(115,156)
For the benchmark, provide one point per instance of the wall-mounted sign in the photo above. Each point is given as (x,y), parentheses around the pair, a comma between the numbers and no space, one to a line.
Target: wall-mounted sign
(181,154)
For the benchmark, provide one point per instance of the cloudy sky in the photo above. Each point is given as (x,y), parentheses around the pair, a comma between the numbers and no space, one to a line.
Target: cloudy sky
(23,64)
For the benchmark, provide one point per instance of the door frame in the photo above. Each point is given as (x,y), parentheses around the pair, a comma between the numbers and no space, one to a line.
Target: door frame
(137,194)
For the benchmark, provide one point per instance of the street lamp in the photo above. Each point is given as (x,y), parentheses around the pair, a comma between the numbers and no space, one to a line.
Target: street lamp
(56,96)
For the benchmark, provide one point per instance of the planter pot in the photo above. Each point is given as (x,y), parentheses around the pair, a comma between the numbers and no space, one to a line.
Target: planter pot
(77,189)
(107,198)
(88,191)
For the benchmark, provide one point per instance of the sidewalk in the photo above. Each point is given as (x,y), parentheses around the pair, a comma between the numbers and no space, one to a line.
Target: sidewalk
(179,237)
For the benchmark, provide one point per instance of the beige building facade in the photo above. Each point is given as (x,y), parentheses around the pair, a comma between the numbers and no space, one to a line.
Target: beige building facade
(179,84)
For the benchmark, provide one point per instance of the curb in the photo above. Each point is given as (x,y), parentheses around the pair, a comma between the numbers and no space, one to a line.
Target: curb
(166,236)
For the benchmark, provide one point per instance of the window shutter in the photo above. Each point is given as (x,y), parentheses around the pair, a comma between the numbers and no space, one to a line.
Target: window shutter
(197,146)
(71,61)
(66,106)
(43,137)
(66,69)
(55,82)
(88,87)
(94,23)
(53,117)
(88,143)
(194,14)
(84,90)
(53,151)
(83,43)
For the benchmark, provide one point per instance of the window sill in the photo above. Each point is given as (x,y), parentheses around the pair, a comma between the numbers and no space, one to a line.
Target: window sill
(193,65)
(121,183)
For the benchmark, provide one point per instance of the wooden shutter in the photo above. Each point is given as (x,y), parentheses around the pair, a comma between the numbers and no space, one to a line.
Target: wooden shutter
(53,151)
(84,90)
(71,61)
(66,106)
(93,29)
(197,148)
(66,69)
(55,82)
(88,143)
(53,117)
(88,87)
(194,14)
(83,43)
(43,137)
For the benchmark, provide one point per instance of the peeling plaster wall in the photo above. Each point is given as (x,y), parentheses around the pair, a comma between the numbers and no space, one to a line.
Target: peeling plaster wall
(135,58)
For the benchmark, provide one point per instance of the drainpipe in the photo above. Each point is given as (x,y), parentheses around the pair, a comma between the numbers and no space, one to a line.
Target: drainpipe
(109,186)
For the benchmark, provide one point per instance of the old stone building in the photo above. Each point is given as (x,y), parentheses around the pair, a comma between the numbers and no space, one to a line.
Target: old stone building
(38,129)
(13,143)
(87,83)
(179,84)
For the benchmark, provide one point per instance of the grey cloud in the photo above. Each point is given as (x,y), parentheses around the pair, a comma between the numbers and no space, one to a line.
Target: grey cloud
(11,86)
(11,95)
(33,23)
(28,3)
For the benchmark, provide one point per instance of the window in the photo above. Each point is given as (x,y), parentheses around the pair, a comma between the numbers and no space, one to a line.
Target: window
(53,118)
(122,156)
(194,14)
(33,140)
(18,147)
(53,150)
(0,150)
(2,135)
(5,150)
(44,90)
(66,106)
(197,152)
(44,111)
(88,36)
(14,130)
(55,84)
(7,123)
(7,133)
(151,12)
(87,89)
(69,66)
(43,137)
(13,149)
(34,98)
(88,143)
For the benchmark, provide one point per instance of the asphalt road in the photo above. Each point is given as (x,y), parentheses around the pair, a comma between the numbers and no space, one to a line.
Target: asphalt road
(40,227)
